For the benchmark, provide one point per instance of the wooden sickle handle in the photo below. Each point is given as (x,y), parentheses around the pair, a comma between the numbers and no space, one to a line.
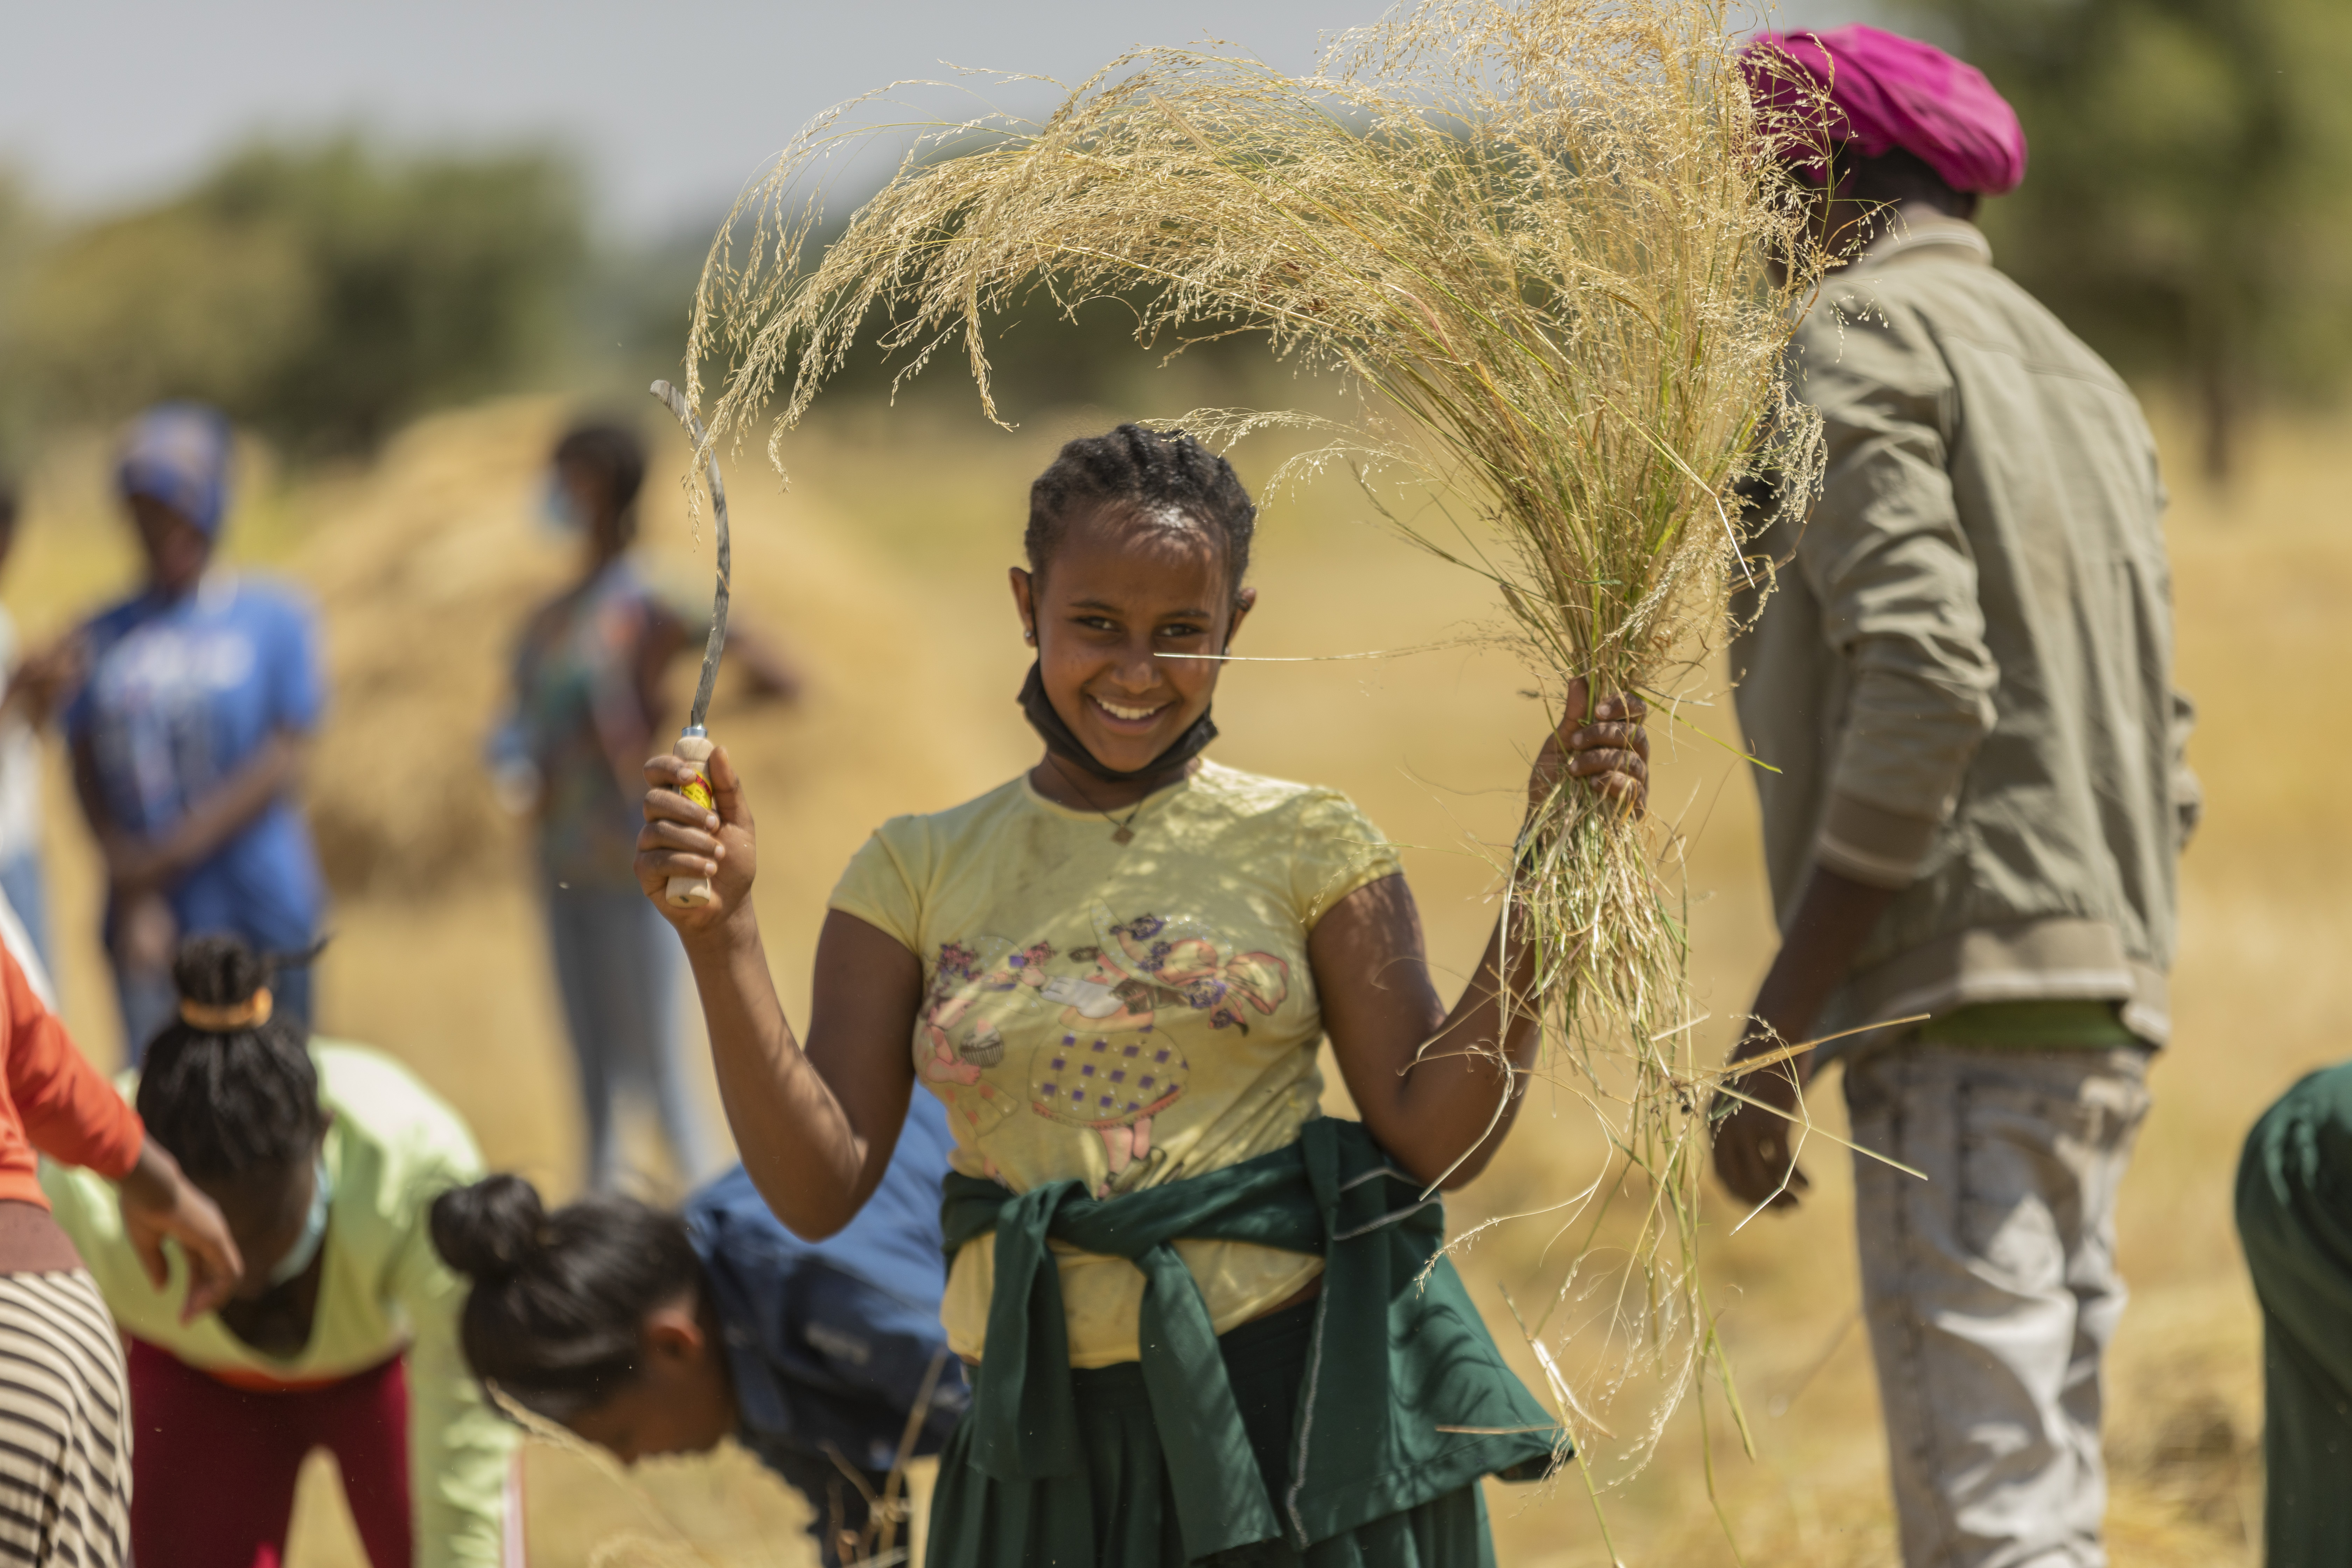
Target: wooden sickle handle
(687,891)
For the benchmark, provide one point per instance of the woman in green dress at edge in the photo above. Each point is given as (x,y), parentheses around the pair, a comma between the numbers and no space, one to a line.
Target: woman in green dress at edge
(1200,1324)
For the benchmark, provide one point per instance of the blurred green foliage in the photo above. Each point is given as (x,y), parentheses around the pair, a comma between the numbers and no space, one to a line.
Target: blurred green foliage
(2188,208)
(1042,355)
(1042,359)
(322,294)
(2188,205)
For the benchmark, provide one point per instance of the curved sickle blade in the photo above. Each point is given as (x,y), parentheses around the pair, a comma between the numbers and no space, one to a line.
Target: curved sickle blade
(676,402)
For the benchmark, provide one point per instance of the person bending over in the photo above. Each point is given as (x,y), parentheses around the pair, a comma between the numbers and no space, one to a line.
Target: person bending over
(652,1333)
(2295,1191)
(342,1331)
(1206,1318)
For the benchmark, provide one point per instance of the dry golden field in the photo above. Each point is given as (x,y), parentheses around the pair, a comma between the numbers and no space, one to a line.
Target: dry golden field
(883,569)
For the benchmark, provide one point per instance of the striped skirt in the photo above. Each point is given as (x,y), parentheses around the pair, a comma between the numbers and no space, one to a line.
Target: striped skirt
(65,1433)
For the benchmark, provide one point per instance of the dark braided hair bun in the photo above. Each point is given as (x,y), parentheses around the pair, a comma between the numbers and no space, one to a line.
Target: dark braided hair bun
(1142,471)
(218,970)
(556,1316)
(487,1231)
(228,1101)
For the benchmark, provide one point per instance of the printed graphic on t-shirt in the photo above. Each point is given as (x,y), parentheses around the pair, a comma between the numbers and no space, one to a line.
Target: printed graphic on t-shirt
(154,697)
(1060,963)
(181,694)
(1109,1060)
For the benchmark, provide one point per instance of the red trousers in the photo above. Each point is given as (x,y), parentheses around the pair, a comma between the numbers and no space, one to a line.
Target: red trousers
(213,1466)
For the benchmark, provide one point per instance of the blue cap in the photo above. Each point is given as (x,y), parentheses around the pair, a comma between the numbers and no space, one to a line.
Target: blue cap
(178,454)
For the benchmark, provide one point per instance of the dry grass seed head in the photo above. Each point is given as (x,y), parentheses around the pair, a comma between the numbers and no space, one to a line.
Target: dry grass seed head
(1533,236)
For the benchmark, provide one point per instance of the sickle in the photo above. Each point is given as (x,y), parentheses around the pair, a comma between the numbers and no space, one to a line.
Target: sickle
(676,401)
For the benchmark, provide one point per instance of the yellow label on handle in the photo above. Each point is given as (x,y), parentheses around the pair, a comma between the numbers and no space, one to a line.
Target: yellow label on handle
(698,790)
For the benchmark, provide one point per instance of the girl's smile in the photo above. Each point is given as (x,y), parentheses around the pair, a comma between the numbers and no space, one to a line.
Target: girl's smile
(1125,592)
(1122,714)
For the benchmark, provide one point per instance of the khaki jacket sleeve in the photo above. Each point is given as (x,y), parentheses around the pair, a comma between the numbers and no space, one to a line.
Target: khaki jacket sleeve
(1883,554)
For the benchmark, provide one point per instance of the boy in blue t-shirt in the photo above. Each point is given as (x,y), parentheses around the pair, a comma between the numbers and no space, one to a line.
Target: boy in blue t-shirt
(189,732)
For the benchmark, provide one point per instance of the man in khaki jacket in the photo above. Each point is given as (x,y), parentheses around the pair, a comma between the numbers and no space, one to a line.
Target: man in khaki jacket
(1964,677)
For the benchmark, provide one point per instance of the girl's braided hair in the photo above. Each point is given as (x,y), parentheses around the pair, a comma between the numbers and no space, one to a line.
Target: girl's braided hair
(554,1316)
(228,1101)
(1147,473)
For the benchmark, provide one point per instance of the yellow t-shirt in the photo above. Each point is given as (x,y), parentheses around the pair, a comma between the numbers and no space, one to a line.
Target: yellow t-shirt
(1120,1014)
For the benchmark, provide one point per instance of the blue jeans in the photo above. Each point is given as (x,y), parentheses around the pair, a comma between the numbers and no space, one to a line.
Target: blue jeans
(616,964)
(20,879)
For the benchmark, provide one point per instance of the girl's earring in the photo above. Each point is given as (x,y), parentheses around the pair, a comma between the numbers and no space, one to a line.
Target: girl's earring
(1030,637)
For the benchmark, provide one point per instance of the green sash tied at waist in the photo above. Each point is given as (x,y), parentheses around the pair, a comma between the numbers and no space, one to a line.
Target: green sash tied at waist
(1398,1352)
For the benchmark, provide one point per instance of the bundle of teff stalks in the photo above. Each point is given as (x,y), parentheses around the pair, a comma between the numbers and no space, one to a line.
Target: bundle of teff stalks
(1534,236)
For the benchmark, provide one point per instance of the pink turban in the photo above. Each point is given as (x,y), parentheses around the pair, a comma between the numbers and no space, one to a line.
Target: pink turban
(1886,92)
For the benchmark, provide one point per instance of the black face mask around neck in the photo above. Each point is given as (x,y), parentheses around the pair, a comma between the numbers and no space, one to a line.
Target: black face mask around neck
(1062,743)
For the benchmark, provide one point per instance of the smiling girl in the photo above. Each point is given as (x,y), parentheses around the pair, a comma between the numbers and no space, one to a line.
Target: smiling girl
(1208,1321)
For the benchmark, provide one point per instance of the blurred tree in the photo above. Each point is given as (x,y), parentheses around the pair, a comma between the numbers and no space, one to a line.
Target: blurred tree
(163,303)
(2188,202)
(635,306)
(323,295)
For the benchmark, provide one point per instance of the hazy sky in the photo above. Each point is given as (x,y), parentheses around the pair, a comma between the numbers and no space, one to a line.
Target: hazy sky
(671,105)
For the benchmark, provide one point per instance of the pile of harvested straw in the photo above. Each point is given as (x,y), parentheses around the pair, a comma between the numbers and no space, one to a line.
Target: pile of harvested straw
(1533,237)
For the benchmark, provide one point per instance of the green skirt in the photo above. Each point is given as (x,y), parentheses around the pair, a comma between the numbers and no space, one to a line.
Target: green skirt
(1127,1494)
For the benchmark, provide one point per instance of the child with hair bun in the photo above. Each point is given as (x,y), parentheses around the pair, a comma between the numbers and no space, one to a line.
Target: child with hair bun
(649,1332)
(341,1330)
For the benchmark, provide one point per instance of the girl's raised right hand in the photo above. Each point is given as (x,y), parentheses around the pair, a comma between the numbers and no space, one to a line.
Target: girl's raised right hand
(681,839)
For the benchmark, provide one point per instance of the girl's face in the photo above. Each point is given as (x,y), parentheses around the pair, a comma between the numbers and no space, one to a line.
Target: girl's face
(1121,591)
(267,1209)
(681,1401)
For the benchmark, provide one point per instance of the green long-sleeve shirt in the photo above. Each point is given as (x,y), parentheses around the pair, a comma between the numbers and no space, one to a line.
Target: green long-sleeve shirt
(393,1146)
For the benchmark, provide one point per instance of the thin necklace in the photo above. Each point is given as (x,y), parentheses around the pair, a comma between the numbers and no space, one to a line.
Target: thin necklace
(1121,832)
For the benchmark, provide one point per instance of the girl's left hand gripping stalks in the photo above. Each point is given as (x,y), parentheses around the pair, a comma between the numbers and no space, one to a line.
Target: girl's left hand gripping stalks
(695,747)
